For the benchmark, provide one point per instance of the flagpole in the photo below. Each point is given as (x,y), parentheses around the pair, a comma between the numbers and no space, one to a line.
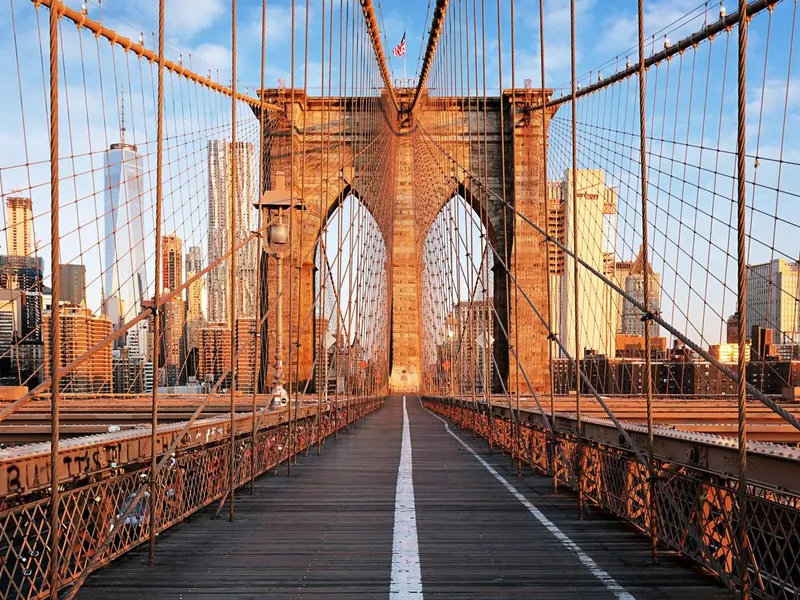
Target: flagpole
(399,51)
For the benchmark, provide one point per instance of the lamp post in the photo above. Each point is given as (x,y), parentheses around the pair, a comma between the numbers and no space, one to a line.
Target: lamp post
(273,206)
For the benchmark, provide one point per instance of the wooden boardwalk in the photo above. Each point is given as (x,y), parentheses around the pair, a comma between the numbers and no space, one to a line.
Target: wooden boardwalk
(327,532)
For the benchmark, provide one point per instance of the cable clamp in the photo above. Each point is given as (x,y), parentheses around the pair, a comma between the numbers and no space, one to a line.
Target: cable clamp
(552,337)
(648,316)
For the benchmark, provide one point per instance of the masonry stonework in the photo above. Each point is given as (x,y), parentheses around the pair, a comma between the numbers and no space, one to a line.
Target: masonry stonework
(425,161)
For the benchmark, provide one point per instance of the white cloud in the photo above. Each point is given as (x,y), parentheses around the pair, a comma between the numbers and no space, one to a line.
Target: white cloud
(677,18)
(557,39)
(279,25)
(213,56)
(774,94)
(187,18)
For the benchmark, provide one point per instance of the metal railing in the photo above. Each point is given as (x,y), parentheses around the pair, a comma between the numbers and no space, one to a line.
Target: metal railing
(192,480)
(696,508)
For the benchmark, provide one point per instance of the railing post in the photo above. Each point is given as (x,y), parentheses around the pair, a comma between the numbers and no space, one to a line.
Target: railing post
(648,375)
(55,329)
(153,499)
(741,166)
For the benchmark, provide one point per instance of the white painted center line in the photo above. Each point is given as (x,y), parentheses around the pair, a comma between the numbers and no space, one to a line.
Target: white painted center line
(586,560)
(406,575)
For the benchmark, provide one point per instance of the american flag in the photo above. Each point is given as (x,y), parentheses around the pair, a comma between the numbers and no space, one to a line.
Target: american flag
(400,50)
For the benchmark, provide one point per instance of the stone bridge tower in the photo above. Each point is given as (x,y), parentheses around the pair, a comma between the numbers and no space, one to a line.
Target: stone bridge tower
(405,193)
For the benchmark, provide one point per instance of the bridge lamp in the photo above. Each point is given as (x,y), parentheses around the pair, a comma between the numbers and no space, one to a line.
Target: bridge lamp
(278,233)
(273,205)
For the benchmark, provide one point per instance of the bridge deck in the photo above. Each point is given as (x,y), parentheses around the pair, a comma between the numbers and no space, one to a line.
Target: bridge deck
(327,531)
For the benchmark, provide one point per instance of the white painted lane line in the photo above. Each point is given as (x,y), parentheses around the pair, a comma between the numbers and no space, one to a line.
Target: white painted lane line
(586,560)
(406,575)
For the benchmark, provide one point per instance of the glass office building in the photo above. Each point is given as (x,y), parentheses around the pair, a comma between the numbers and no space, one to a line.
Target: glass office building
(124,275)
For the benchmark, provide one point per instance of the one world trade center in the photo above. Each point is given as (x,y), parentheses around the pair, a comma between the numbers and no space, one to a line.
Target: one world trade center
(124,276)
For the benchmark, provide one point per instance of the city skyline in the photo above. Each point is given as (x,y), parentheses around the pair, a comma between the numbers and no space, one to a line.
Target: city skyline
(185,318)
(104,118)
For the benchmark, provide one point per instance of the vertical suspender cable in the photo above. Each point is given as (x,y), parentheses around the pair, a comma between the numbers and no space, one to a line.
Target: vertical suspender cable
(344,25)
(348,68)
(232,229)
(55,328)
(261,188)
(519,445)
(576,286)
(452,300)
(300,256)
(153,499)
(549,251)
(487,314)
(648,374)
(473,368)
(506,278)
(741,164)
(464,154)
(323,178)
(289,444)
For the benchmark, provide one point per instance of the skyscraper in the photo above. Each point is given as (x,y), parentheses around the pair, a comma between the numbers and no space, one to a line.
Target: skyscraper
(556,262)
(473,323)
(23,271)
(321,363)
(80,331)
(194,309)
(173,319)
(732,329)
(124,274)
(245,344)
(219,210)
(214,353)
(194,261)
(773,290)
(171,262)
(622,269)
(596,216)
(19,226)
(7,328)
(632,323)
(171,347)
(72,289)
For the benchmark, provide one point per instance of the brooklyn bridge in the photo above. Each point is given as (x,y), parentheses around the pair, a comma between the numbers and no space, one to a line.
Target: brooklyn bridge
(276,321)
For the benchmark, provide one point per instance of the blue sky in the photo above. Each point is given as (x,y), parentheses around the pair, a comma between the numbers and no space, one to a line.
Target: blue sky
(201,28)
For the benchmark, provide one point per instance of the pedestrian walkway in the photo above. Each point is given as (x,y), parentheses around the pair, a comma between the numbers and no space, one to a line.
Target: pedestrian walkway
(335,529)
